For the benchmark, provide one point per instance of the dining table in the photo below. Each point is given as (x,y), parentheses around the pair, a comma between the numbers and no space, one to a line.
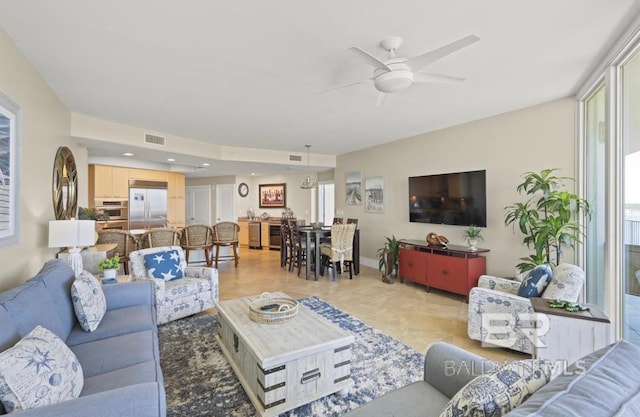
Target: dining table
(313,234)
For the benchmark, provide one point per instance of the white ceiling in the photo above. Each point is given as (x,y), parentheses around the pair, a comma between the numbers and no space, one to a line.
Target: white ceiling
(246,73)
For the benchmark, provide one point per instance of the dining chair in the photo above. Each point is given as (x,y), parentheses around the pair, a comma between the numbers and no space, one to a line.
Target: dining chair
(338,252)
(285,246)
(161,236)
(338,220)
(197,237)
(226,234)
(125,241)
(298,251)
(353,221)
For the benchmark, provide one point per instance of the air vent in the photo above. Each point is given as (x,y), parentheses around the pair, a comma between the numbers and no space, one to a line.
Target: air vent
(297,158)
(153,139)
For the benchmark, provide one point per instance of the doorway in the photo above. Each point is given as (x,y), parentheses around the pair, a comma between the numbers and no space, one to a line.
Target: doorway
(198,211)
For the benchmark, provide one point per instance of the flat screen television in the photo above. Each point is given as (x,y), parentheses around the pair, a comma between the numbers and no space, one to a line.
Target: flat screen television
(459,198)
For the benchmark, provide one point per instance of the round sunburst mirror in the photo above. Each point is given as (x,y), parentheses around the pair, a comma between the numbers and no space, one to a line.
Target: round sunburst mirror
(65,184)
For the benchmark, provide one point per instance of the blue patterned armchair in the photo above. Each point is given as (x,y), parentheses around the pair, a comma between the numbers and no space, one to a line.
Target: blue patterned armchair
(498,316)
(176,298)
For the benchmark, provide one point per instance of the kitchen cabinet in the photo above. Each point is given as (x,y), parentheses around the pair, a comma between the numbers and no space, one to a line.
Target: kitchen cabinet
(265,235)
(454,269)
(108,182)
(243,233)
(147,174)
(176,206)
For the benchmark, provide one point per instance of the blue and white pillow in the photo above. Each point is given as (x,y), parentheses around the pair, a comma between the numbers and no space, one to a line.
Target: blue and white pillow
(89,302)
(501,390)
(164,265)
(39,370)
(536,282)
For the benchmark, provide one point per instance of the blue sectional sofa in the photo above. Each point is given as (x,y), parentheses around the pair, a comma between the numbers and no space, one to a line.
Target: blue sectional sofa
(120,360)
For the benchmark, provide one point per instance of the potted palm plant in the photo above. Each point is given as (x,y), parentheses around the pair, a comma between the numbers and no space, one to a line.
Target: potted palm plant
(109,267)
(388,258)
(548,219)
(472,235)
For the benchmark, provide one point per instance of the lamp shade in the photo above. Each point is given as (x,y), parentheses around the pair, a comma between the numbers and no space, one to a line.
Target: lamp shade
(71,233)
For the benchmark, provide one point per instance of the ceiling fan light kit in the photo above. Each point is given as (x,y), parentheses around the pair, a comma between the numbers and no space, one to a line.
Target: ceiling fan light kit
(397,74)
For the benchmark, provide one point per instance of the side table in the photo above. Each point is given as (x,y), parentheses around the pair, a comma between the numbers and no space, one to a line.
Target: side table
(567,336)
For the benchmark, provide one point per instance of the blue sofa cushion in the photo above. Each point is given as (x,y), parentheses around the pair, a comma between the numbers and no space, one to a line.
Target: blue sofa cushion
(603,383)
(131,375)
(107,355)
(9,335)
(116,322)
(88,301)
(535,282)
(30,305)
(164,265)
(39,370)
(57,277)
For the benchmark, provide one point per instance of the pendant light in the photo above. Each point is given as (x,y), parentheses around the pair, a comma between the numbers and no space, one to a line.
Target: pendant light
(308,182)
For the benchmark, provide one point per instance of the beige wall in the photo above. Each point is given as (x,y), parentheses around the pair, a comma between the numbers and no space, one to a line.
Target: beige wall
(45,127)
(505,146)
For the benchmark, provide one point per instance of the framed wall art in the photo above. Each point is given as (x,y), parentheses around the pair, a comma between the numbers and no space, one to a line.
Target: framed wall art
(374,194)
(272,195)
(9,172)
(353,189)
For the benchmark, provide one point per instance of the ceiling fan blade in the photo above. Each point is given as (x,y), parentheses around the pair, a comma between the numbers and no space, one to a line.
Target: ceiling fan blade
(423,77)
(344,85)
(367,58)
(425,59)
(381,99)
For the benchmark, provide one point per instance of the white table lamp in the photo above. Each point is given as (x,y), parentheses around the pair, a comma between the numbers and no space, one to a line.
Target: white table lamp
(74,235)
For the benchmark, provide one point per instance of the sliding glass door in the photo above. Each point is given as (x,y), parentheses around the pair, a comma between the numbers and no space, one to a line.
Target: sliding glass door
(595,137)
(630,130)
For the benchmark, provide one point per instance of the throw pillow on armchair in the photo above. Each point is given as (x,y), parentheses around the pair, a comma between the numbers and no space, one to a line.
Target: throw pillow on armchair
(535,282)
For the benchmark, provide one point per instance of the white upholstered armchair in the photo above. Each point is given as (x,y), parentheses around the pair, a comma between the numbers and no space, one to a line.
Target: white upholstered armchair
(496,299)
(196,291)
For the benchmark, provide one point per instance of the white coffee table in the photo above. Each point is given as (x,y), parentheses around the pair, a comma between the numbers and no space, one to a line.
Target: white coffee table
(283,366)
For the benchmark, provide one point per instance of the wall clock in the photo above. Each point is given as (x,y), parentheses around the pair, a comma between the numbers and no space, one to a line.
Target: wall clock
(243,189)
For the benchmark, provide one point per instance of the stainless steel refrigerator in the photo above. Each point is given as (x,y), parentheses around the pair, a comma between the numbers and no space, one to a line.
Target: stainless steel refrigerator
(147,204)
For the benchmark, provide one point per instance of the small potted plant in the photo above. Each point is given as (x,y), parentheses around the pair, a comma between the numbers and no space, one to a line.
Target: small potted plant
(388,258)
(472,235)
(109,267)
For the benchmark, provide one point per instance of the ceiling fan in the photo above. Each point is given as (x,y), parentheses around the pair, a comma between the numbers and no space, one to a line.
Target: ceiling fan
(396,74)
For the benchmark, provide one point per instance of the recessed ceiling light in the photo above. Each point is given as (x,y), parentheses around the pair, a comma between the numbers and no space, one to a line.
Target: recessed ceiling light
(171,160)
(206,164)
(253,173)
(127,154)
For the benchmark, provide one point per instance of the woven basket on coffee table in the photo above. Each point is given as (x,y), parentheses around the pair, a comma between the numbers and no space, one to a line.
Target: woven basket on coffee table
(286,310)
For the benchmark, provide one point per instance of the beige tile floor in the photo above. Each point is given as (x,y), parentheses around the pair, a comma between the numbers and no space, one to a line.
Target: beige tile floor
(406,311)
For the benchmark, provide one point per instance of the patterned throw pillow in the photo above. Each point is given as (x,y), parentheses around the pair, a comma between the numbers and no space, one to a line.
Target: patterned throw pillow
(536,281)
(164,265)
(88,301)
(39,370)
(566,284)
(499,391)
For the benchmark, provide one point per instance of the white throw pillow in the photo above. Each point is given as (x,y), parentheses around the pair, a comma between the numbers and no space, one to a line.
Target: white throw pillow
(499,391)
(39,370)
(566,283)
(88,301)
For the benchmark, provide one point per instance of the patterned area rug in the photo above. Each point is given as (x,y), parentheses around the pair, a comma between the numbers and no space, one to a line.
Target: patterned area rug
(200,382)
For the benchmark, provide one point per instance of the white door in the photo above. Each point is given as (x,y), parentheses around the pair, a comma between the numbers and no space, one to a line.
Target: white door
(198,204)
(225,203)
(225,209)
(198,207)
